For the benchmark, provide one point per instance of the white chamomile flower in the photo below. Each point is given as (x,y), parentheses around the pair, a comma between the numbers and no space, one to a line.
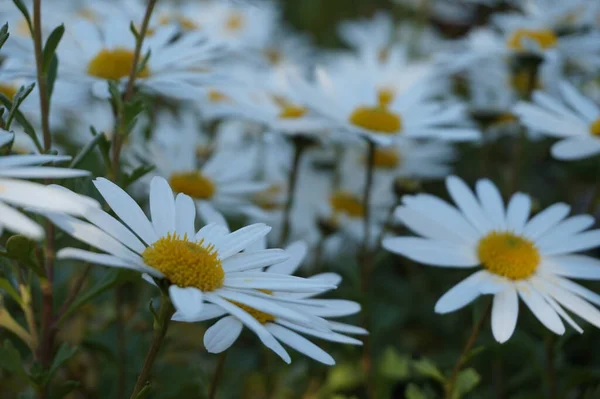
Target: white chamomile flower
(210,264)
(373,35)
(96,54)
(226,179)
(226,331)
(573,118)
(34,197)
(517,257)
(405,158)
(355,104)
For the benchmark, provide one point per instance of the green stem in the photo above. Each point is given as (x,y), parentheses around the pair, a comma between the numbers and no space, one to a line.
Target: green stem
(465,352)
(214,385)
(161,325)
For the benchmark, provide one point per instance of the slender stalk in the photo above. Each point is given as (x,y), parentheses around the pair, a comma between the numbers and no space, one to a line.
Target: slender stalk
(465,352)
(550,372)
(365,260)
(72,295)
(299,147)
(118,139)
(214,385)
(47,288)
(121,341)
(161,325)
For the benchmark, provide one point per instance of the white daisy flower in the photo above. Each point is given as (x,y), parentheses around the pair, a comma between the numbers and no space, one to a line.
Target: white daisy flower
(34,197)
(405,158)
(226,179)
(355,104)
(96,54)
(572,117)
(204,265)
(223,334)
(519,257)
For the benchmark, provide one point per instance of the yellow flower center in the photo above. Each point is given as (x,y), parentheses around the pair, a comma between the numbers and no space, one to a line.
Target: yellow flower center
(216,96)
(186,263)
(386,158)
(235,22)
(113,64)
(545,38)
(385,97)
(8,90)
(267,199)
(508,255)
(288,109)
(194,184)
(346,203)
(378,119)
(261,317)
(594,127)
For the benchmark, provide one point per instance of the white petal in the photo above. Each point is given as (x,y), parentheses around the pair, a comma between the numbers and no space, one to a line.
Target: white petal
(575,148)
(211,233)
(580,242)
(254,260)
(577,289)
(162,206)
(564,229)
(491,202)
(443,213)
(505,311)
(296,252)
(468,204)
(127,210)
(424,225)
(274,282)
(41,172)
(327,335)
(221,335)
(185,216)
(209,311)
(576,305)
(103,259)
(328,307)
(250,322)
(210,215)
(461,294)
(300,344)
(561,312)
(541,309)
(545,220)
(575,266)
(430,252)
(518,212)
(187,301)
(116,229)
(15,221)
(240,239)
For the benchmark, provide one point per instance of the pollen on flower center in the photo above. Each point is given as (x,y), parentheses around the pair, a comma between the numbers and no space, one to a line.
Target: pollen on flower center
(386,158)
(193,183)
(186,263)
(545,38)
(261,317)
(346,203)
(235,22)
(508,255)
(595,127)
(385,97)
(378,119)
(8,90)
(113,64)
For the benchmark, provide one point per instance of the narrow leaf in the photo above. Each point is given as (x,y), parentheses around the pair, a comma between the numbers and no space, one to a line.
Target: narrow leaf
(86,150)
(51,45)
(23,8)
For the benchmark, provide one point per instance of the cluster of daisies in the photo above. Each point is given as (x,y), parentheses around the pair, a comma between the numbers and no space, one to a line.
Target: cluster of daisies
(314,151)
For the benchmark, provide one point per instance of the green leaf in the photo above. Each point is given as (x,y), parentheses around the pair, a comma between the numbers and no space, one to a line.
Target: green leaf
(143,63)
(137,174)
(414,392)
(134,31)
(466,381)
(115,95)
(65,389)
(4,34)
(10,290)
(10,359)
(393,365)
(51,45)
(144,392)
(86,150)
(52,73)
(21,249)
(27,128)
(109,280)
(427,368)
(23,8)
(63,355)
(18,99)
